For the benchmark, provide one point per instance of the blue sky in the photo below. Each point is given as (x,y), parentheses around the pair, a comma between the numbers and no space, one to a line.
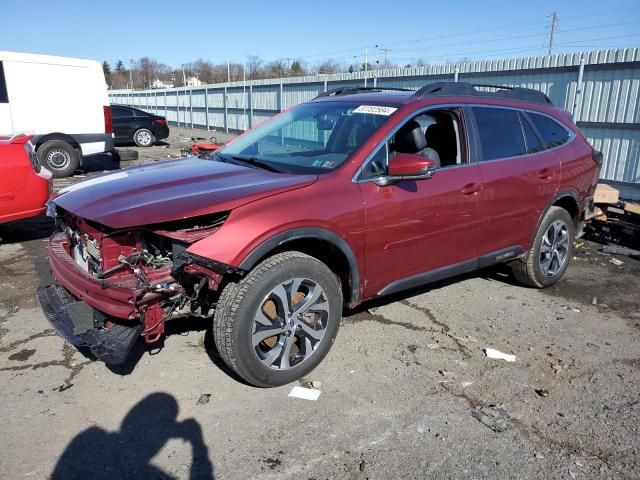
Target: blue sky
(179,32)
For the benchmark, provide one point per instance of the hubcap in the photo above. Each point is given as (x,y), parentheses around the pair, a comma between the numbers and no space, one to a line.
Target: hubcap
(554,248)
(58,158)
(290,323)
(144,138)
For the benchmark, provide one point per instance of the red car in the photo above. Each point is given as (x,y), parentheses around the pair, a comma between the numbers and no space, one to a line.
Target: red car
(24,185)
(357,194)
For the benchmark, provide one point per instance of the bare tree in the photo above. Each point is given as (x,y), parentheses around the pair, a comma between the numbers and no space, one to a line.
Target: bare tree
(329,66)
(203,70)
(254,64)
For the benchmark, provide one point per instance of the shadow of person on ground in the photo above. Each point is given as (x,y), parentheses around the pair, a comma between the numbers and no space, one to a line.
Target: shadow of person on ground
(126,454)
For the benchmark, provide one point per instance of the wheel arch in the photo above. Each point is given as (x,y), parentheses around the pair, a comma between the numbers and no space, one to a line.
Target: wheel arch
(319,243)
(566,199)
(40,140)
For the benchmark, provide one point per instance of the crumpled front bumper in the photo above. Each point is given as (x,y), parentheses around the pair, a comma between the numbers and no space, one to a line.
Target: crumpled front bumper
(74,321)
(120,298)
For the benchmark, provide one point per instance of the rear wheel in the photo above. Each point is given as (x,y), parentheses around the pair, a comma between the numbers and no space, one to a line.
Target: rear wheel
(59,157)
(143,137)
(278,322)
(552,248)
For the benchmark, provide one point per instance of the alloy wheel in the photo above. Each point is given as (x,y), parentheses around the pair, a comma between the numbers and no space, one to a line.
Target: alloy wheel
(143,138)
(290,323)
(554,248)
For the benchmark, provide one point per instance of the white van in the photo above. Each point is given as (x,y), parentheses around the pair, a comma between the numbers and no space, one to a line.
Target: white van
(62,101)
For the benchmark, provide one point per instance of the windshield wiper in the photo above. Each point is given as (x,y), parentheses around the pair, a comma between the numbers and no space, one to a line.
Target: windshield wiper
(254,161)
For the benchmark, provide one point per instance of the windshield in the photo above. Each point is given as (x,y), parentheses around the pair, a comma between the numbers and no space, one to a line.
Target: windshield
(310,138)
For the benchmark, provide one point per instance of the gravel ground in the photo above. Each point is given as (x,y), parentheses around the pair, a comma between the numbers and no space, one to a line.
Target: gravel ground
(407,391)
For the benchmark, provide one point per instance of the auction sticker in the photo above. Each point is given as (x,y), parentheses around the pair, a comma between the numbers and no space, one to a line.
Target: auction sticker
(375,110)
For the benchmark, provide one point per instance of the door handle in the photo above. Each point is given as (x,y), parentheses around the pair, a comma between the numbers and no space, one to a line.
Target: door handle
(471,189)
(545,174)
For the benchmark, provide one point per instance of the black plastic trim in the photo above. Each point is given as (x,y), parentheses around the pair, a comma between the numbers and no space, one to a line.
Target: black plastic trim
(308,232)
(430,276)
(499,256)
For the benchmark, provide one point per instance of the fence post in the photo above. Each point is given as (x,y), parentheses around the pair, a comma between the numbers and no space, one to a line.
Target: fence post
(191,107)
(578,94)
(455,74)
(178,106)
(251,105)
(206,106)
(325,84)
(280,101)
(226,115)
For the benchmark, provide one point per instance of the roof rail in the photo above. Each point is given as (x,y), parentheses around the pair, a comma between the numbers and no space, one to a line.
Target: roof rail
(353,90)
(476,90)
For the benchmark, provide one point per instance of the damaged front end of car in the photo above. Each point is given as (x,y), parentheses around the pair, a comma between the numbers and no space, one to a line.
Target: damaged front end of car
(112,286)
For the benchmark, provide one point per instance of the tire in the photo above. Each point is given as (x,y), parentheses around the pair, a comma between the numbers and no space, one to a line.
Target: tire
(549,255)
(125,155)
(143,137)
(59,157)
(255,305)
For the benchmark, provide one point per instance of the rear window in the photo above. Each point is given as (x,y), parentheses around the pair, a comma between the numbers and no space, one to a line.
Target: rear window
(4,97)
(534,144)
(553,134)
(500,133)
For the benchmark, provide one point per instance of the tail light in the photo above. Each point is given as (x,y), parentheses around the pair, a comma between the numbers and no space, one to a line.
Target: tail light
(596,155)
(29,148)
(160,121)
(108,124)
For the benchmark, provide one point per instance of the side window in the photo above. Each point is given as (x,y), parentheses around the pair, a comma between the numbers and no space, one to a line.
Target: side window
(500,133)
(4,97)
(534,144)
(553,134)
(378,164)
(119,112)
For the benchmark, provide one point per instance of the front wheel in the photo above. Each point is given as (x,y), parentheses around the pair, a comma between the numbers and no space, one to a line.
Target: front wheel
(549,255)
(279,322)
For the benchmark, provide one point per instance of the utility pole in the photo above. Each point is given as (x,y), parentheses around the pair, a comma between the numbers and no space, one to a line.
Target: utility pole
(366,66)
(386,51)
(228,71)
(554,27)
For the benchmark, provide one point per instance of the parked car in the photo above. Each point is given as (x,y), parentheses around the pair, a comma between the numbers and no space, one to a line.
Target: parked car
(357,194)
(131,125)
(62,101)
(24,185)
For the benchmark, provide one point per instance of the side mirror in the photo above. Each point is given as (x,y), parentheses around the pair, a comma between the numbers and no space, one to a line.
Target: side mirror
(405,166)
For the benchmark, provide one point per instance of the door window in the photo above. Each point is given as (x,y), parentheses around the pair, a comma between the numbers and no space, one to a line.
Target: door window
(552,132)
(4,97)
(500,133)
(435,135)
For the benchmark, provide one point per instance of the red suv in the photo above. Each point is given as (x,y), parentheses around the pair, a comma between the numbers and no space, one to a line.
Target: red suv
(24,185)
(356,194)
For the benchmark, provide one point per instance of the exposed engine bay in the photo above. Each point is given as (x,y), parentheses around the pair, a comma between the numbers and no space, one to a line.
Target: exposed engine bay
(145,271)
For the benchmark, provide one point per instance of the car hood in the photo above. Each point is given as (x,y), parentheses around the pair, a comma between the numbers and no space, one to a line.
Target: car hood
(172,190)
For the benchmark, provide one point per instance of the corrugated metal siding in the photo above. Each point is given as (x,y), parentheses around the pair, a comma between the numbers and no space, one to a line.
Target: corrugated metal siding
(610,95)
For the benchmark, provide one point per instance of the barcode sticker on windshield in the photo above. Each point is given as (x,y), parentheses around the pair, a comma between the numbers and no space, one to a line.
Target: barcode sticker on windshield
(375,110)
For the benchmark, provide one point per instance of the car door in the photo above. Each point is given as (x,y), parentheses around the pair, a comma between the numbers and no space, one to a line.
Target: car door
(519,177)
(422,230)
(122,118)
